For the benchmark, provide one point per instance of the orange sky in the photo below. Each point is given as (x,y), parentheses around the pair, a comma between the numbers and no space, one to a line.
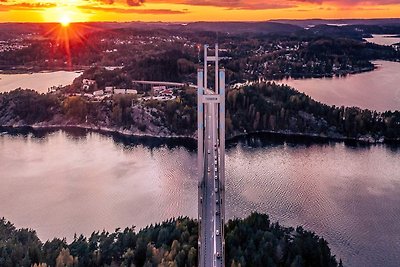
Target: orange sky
(192,10)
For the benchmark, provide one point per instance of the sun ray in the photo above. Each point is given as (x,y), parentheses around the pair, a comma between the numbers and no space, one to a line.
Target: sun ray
(69,38)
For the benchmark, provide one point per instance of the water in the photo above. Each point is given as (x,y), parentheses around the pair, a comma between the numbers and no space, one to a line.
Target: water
(36,81)
(62,182)
(383,39)
(376,90)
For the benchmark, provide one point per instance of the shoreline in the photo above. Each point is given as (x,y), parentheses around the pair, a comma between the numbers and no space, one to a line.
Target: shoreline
(83,68)
(31,70)
(375,67)
(296,137)
(17,70)
(327,75)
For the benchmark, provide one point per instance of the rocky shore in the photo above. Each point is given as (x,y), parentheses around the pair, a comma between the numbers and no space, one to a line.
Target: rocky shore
(261,109)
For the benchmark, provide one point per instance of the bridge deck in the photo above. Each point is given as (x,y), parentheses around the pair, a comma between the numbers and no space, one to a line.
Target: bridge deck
(211,236)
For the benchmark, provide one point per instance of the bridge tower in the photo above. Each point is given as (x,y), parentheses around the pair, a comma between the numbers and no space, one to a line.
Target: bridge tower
(211,163)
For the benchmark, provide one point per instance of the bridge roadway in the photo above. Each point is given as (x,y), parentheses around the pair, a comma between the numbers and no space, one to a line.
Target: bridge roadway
(212,250)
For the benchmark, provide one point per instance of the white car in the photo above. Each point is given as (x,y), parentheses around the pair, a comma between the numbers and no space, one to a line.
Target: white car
(217,233)
(216,190)
(216,177)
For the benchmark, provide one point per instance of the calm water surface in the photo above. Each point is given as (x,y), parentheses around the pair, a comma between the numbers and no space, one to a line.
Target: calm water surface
(376,90)
(383,39)
(36,81)
(61,183)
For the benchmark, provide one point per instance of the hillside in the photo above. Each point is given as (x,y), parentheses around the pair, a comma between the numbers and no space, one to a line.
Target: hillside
(243,27)
(264,107)
(306,22)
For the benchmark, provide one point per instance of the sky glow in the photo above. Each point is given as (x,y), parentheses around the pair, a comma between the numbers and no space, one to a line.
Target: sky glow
(192,10)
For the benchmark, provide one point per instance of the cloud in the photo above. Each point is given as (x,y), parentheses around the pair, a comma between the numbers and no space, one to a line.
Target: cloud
(132,10)
(125,7)
(134,2)
(275,4)
(227,4)
(350,2)
(126,2)
(113,6)
(24,6)
(234,4)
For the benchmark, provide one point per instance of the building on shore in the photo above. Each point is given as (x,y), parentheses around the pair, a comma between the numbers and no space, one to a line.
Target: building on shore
(119,91)
(88,85)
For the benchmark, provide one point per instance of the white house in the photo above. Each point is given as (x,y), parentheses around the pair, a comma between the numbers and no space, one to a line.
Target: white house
(119,91)
(131,91)
(109,89)
(88,95)
(88,82)
(166,92)
(157,89)
(98,93)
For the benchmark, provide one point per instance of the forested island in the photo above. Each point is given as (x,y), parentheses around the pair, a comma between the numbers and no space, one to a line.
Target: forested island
(257,107)
(253,241)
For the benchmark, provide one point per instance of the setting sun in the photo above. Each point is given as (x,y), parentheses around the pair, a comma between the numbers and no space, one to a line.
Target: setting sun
(65,21)
(65,15)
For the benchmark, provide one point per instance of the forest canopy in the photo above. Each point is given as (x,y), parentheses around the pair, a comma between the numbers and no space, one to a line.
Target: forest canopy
(253,241)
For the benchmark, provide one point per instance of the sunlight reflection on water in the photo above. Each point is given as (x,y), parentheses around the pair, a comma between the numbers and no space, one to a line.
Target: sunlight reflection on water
(61,183)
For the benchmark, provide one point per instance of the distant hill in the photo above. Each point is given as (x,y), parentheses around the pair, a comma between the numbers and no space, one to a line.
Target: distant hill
(244,27)
(352,28)
(226,27)
(339,31)
(306,23)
